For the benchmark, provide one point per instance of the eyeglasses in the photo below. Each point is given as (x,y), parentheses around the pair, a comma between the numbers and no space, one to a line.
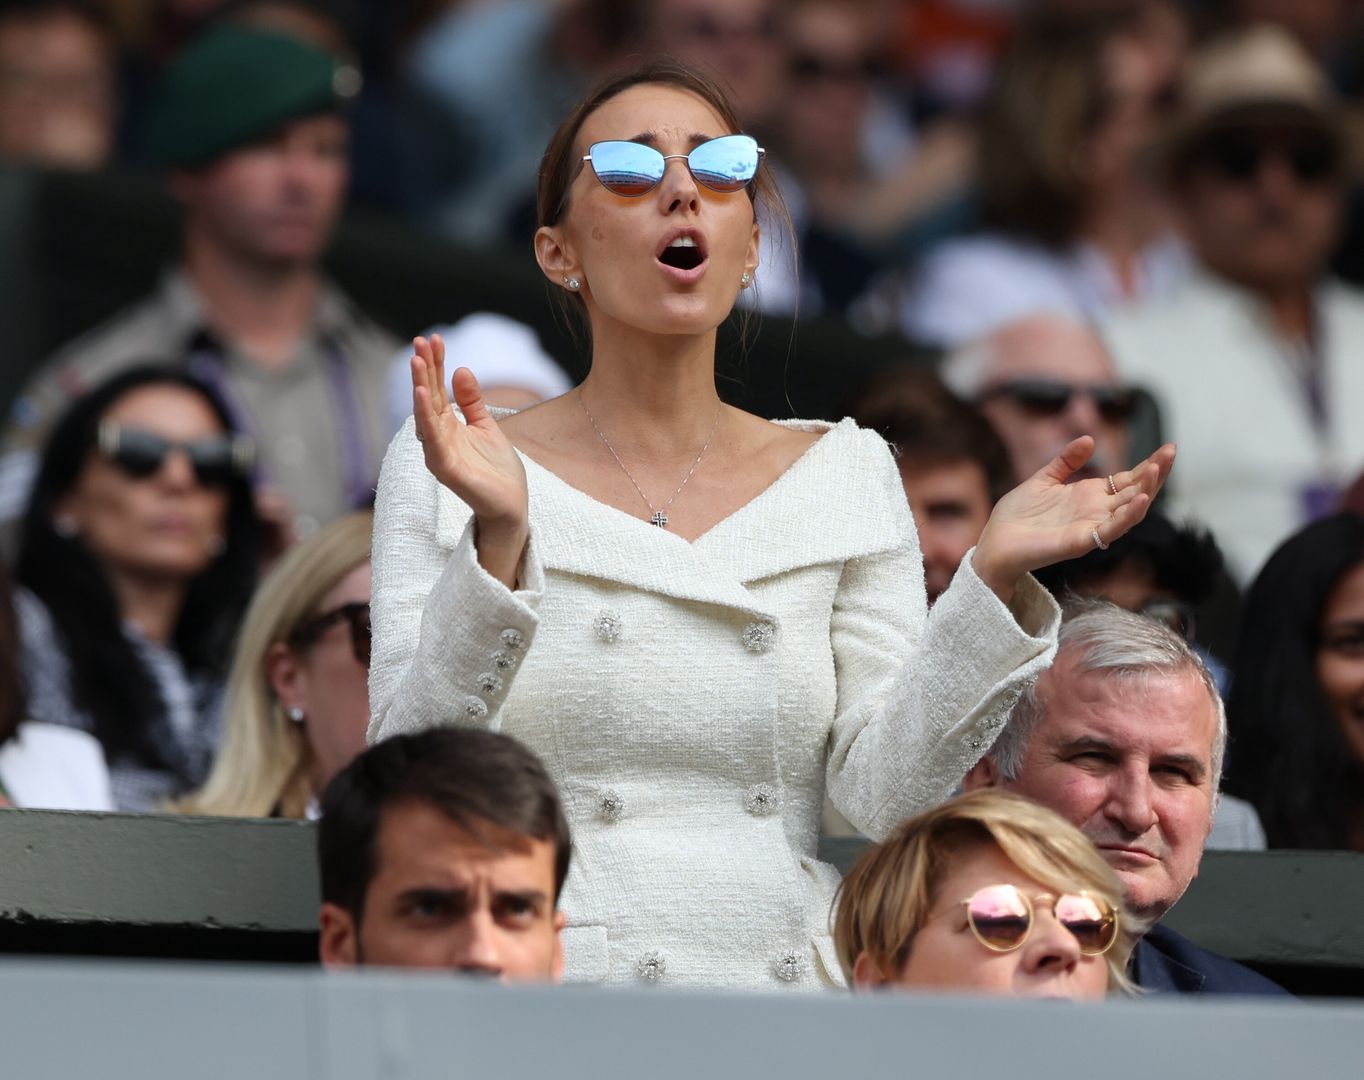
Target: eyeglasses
(727,164)
(1002,916)
(355,613)
(1051,397)
(1175,614)
(216,461)
(1241,157)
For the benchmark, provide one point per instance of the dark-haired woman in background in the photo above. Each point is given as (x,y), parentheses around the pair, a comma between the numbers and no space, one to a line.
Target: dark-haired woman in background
(42,766)
(139,552)
(1296,711)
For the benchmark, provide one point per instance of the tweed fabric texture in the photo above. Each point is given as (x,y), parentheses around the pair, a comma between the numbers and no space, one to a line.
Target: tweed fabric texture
(694,701)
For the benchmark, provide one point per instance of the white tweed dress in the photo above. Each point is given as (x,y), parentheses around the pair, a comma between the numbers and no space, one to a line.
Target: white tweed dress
(696,701)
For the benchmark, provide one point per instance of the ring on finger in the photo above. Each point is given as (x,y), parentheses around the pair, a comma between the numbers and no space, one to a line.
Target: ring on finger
(1112,487)
(1098,540)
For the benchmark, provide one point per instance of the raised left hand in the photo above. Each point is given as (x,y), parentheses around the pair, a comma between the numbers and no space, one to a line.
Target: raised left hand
(1046,520)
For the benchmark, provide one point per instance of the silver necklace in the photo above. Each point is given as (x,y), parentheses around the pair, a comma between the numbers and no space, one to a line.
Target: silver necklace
(659,515)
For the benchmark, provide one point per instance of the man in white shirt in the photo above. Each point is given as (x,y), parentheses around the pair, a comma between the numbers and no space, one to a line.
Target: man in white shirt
(1256,361)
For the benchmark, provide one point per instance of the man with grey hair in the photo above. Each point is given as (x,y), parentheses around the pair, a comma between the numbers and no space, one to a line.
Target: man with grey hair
(1042,381)
(1124,736)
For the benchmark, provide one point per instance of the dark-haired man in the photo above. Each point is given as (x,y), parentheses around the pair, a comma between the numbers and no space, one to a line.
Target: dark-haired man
(953,466)
(444,850)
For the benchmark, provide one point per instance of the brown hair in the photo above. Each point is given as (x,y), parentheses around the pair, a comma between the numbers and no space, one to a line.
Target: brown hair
(894,887)
(475,778)
(559,166)
(1050,95)
(928,425)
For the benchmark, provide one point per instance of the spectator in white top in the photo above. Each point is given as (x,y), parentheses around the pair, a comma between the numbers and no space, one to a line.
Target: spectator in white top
(1261,338)
(1071,223)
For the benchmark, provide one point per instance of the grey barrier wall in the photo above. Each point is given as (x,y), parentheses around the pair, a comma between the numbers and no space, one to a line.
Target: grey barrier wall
(64,1021)
(217,888)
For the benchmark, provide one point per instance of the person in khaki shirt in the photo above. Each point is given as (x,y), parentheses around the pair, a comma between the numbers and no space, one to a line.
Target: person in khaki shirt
(249,127)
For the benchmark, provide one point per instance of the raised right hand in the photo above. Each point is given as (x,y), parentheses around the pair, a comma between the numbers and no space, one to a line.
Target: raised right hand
(473,459)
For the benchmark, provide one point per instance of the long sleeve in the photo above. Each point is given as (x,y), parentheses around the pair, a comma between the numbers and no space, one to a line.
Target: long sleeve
(921,698)
(448,637)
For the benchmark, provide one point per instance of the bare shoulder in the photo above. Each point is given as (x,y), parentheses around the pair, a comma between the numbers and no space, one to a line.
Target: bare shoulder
(776,446)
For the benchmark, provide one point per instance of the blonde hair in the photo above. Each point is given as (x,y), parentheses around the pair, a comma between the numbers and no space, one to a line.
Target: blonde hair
(889,894)
(262,768)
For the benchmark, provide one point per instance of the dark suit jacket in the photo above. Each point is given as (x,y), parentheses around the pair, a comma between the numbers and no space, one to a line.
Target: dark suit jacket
(1167,963)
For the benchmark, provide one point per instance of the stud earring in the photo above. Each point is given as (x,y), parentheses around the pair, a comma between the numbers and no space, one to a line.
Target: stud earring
(573,283)
(65,526)
(295,714)
(745,280)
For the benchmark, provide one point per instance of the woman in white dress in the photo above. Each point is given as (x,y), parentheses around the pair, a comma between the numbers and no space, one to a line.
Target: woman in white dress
(702,620)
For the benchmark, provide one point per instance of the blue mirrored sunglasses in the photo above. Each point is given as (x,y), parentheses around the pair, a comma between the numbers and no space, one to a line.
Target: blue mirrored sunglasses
(727,164)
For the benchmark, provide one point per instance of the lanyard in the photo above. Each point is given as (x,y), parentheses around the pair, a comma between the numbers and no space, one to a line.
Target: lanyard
(357,477)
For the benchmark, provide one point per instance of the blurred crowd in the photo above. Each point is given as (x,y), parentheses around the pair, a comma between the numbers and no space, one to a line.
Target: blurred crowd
(1128,219)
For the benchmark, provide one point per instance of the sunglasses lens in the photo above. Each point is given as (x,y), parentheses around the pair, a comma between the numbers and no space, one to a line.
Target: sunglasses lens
(1313,162)
(1090,919)
(1040,396)
(213,461)
(360,634)
(1000,917)
(627,168)
(139,453)
(1114,403)
(725,164)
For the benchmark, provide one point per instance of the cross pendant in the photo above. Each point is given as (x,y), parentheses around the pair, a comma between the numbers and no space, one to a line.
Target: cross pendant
(660,519)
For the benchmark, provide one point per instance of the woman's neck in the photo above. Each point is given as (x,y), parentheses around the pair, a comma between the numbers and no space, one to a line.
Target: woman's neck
(652,394)
(152,604)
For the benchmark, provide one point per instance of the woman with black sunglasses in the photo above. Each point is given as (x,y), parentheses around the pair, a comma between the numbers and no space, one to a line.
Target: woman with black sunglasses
(297,705)
(701,619)
(138,553)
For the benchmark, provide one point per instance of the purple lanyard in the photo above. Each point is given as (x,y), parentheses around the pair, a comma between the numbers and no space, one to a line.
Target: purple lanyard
(357,476)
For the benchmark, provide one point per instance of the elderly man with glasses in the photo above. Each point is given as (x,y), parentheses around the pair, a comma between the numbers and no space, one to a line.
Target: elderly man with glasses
(1256,361)
(1124,736)
(1042,381)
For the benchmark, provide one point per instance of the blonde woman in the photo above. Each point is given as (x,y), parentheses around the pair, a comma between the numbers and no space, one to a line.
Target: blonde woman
(297,703)
(988,893)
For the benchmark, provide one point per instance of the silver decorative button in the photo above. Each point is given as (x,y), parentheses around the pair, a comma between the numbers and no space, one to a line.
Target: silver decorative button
(651,966)
(761,800)
(475,708)
(790,966)
(611,806)
(504,660)
(513,639)
(608,626)
(758,636)
(490,682)
(975,742)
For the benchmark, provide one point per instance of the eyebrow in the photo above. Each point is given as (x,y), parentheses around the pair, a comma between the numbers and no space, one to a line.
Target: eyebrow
(1191,763)
(649,138)
(447,895)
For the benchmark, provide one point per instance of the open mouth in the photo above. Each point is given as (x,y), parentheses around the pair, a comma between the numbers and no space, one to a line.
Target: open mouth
(683,252)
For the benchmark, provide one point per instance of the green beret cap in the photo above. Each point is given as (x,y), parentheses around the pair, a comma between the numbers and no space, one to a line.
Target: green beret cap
(234,85)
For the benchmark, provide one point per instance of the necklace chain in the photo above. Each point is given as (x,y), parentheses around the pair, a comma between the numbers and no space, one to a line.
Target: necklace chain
(659,515)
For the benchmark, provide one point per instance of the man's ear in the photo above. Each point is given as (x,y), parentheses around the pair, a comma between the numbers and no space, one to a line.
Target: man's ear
(983,774)
(338,943)
(866,975)
(555,257)
(556,972)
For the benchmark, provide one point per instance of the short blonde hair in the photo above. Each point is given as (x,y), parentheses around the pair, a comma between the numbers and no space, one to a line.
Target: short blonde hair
(890,892)
(262,768)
